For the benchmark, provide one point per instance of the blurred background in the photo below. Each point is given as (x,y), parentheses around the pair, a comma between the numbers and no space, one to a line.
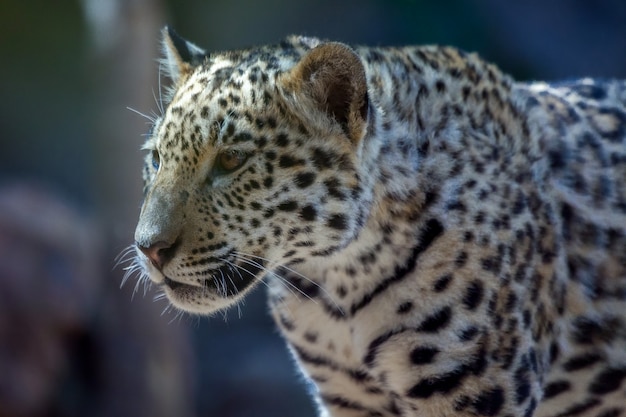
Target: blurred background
(72,343)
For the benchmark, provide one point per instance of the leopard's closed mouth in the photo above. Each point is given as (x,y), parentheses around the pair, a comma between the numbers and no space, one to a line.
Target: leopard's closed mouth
(175,285)
(227,278)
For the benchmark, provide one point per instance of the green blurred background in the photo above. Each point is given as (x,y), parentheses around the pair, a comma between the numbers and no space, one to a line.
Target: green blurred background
(72,343)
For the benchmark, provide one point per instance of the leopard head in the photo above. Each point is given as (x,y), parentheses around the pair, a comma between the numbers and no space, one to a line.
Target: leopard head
(254,164)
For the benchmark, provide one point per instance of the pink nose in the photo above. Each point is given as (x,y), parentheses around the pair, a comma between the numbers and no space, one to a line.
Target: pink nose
(159,253)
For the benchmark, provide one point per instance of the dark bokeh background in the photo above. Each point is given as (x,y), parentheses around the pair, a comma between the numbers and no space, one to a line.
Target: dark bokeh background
(72,343)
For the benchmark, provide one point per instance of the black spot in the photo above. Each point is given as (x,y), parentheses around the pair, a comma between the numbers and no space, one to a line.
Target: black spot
(590,330)
(447,382)
(332,185)
(480,217)
(526,318)
(342,291)
(461,259)
(436,321)
(282,140)
(554,352)
(442,283)
(304,179)
(286,323)
(367,258)
(511,302)
(443,384)
(405,307)
(558,158)
(288,205)
(230,129)
(310,358)
(469,333)
(372,349)
(581,361)
(473,295)
(457,205)
(267,213)
(431,231)
(308,213)
(580,408)
(522,384)
(306,288)
(423,148)
(555,388)
(423,355)
(322,159)
(519,205)
(612,412)
(288,161)
(429,199)
(489,403)
(344,403)
(478,364)
(491,264)
(310,337)
(338,221)
(608,380)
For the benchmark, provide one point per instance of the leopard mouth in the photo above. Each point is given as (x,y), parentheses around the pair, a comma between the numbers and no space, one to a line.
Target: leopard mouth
(229,280)
(175,285)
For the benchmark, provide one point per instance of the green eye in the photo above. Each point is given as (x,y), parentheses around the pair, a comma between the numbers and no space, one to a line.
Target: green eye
(229,161)
(156,159)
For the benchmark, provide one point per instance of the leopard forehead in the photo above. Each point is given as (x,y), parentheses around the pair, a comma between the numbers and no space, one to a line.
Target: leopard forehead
(217,97)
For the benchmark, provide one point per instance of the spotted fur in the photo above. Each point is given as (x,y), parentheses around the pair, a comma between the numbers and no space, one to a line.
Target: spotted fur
(437,238)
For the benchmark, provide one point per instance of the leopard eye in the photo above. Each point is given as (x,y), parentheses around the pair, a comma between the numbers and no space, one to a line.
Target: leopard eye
(230,160)
(156,159)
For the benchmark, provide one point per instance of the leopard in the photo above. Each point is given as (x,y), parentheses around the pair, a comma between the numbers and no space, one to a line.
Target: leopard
(436,238)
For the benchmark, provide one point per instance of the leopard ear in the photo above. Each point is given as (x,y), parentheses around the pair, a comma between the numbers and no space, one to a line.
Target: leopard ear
(180,55)
(332,76)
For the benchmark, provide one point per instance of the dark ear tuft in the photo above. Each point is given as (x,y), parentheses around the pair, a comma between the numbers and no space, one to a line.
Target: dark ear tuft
(180,55)
(333,76)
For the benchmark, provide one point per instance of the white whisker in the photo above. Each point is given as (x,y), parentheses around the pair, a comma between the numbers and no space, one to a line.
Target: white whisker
(126,257)
(160,103)
(177,316)
(159,296)
(167,309)
(150,118)
(273,265)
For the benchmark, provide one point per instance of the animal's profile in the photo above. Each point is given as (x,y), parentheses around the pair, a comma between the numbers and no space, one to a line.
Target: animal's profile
(437,239)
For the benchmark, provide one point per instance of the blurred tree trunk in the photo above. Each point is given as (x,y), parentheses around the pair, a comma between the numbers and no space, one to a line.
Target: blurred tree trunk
(148,363)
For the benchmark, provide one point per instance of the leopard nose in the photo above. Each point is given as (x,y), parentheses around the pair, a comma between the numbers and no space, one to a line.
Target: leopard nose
(158,253)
